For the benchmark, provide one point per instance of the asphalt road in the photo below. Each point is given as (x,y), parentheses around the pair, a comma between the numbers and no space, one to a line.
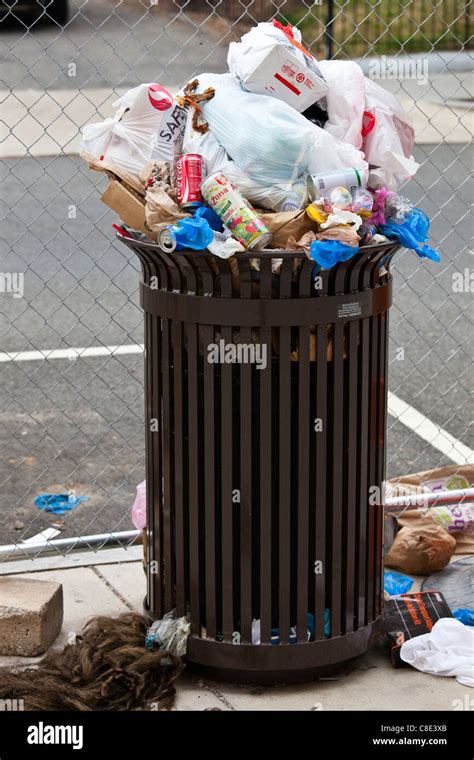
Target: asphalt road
(112,45)
(80,423)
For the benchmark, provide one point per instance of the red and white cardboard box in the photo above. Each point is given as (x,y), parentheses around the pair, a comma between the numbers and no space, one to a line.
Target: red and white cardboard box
(280,74)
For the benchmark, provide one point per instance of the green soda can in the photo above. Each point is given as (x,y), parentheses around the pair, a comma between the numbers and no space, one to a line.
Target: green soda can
(236,213)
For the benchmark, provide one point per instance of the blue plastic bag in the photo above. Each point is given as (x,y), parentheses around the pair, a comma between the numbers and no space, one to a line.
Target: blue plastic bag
(207,213)
(59,503)
(396,583)
(464,615)
(328,252)
(192,233)
(412,233)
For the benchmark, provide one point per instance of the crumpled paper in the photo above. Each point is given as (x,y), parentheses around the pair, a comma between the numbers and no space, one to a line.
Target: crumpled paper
(161,210)
(339,216)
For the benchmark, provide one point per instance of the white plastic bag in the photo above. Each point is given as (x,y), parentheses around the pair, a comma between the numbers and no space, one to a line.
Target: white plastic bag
(389,144)
(147,126)
(270,60)
(268,139)
(217,160)
(345,100)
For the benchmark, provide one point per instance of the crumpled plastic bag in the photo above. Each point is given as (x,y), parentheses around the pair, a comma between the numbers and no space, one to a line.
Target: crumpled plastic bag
(170,634)
(148,125)
(193,233)
(327,253)
(412,233)
(139,507)
(268,139)
(464,615)
(389,144)
(396,583)
(345,100)
(224,245)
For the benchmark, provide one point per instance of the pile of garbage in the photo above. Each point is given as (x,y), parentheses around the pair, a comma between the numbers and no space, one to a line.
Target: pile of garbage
(281,152)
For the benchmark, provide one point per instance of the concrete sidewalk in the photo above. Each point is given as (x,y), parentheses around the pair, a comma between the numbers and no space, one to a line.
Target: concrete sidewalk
(112,581)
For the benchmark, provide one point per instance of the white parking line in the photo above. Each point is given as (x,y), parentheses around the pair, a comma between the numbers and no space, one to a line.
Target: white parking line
(440,439)
(410,417)
(71,353)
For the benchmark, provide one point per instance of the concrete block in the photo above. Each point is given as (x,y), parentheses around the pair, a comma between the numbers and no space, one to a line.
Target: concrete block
(31,615)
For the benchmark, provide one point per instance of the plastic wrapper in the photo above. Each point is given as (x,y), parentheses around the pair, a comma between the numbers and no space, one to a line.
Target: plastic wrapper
(169,634)
(148,125)
(396,208)
(224,246)
(268,139)
(412,233)
(454,518)
(396,583)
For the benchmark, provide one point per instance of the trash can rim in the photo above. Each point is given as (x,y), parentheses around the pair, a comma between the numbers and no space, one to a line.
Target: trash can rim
(267,253)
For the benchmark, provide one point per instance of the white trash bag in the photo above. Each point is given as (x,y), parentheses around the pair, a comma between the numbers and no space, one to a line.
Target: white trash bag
(268,139)
(345,100)
(147,125)
(216,160)
(389,144)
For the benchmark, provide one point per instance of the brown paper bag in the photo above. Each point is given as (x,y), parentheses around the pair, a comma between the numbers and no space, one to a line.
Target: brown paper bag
(161,210)
(421,550)
(285,224)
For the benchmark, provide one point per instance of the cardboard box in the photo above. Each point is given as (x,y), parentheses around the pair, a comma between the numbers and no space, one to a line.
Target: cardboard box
(281,75)
(409,615)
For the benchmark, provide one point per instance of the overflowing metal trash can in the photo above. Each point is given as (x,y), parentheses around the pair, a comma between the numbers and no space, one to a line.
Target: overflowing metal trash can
(266,397)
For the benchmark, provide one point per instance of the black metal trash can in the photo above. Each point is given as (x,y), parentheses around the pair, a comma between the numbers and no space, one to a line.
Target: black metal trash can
(259,471)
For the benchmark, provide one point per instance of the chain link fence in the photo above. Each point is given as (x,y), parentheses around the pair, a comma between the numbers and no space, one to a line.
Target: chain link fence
(71,353)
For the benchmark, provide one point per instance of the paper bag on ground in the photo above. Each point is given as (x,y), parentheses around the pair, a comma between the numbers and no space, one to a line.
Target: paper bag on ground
(421,550)
(408,484)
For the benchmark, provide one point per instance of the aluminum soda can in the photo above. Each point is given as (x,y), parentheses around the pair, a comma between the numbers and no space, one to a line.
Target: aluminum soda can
(235,211)
(167,239)
(320,184)
(189,171)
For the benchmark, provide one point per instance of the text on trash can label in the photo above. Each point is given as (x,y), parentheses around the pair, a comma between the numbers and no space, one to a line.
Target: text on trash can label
(349,310)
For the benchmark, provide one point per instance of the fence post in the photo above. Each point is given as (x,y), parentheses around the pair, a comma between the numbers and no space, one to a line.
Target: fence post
(328,30)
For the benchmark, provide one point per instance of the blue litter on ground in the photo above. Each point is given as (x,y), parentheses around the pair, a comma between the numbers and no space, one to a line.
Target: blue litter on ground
(59,503)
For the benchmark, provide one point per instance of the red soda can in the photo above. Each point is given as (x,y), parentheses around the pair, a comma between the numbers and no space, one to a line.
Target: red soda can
(189,168)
